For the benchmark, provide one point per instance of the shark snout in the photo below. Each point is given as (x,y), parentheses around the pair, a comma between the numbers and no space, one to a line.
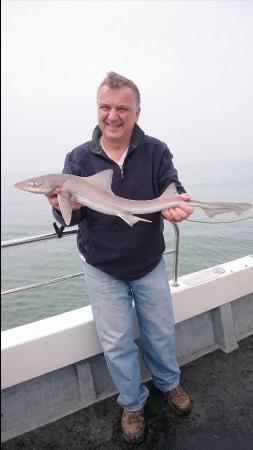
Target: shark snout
(31,186)
(21,185)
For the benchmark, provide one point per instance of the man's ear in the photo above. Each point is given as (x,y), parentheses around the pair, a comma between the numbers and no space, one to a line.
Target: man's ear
(138,113)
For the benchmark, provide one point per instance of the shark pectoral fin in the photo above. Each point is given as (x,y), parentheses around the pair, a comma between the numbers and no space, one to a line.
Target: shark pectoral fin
(65,206)
(131,220)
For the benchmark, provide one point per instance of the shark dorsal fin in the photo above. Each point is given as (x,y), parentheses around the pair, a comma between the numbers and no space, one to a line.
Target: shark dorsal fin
(102,179)
(170,191)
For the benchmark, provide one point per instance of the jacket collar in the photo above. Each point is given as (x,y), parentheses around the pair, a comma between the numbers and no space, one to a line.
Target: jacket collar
(95,147)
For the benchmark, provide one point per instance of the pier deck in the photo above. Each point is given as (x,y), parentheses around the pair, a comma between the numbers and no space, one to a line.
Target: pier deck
(221,389)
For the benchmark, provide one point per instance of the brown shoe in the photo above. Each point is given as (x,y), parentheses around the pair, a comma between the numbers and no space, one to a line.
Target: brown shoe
(133,425)
(178,400)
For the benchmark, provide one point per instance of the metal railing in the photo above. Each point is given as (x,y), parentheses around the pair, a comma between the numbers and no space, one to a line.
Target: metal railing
(41,237)
(59,233)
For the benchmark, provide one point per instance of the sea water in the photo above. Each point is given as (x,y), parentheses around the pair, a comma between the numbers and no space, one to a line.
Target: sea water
(202,245)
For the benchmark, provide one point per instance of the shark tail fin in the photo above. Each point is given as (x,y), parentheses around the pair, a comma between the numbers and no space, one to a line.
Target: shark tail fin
(237,208)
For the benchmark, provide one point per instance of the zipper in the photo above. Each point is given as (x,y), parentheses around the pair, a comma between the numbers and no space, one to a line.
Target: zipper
(122,169)
(122,172)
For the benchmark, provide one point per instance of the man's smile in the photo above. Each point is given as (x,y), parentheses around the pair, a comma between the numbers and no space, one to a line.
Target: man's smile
(113,125)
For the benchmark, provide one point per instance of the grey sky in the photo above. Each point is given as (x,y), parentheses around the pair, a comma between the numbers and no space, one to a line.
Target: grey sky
(192,61)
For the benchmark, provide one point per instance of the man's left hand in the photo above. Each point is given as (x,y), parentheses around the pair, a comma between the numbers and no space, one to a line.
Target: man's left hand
(180,212)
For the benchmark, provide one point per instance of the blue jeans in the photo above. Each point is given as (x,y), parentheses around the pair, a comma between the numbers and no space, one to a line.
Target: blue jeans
(112,305)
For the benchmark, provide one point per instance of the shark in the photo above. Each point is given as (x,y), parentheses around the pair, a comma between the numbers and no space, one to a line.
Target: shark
(95,192)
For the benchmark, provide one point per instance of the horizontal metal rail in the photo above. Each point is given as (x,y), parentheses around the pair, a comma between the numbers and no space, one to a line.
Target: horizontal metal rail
(43,283)
(37,238)
(60,233)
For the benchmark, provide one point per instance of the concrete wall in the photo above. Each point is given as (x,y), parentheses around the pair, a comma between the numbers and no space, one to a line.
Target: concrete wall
(43,399)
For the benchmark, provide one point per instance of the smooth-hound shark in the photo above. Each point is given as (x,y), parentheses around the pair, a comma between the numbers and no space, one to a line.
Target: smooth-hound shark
(95,192)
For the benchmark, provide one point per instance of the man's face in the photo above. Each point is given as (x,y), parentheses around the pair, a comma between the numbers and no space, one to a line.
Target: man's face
(117,113)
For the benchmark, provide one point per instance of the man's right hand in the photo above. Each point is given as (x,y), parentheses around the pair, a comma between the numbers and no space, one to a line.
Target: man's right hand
(53,200)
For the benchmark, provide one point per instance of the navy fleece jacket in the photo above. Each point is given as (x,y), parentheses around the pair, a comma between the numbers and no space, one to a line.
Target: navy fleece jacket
(107,242)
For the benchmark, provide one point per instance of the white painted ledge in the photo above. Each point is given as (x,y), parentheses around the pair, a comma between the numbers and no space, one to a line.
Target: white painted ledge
(206,289)
(40,347)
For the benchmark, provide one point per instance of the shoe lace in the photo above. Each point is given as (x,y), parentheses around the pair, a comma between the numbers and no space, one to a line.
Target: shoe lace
(178,391)
(135,417)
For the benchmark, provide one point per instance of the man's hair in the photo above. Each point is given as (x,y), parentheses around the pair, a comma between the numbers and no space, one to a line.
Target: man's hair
(115,81)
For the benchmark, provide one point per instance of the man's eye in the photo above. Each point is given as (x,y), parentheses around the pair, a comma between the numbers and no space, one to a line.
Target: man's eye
(104,108)
(122,109)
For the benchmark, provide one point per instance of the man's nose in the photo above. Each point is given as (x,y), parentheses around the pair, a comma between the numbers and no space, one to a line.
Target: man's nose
(113,114)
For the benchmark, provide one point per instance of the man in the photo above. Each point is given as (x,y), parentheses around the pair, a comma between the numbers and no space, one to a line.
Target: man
(124,264)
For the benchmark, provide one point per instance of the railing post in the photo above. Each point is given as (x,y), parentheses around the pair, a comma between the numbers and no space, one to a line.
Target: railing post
(176,254)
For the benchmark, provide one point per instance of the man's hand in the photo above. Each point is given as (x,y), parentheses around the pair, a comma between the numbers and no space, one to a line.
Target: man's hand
(180,212)
(53,200)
